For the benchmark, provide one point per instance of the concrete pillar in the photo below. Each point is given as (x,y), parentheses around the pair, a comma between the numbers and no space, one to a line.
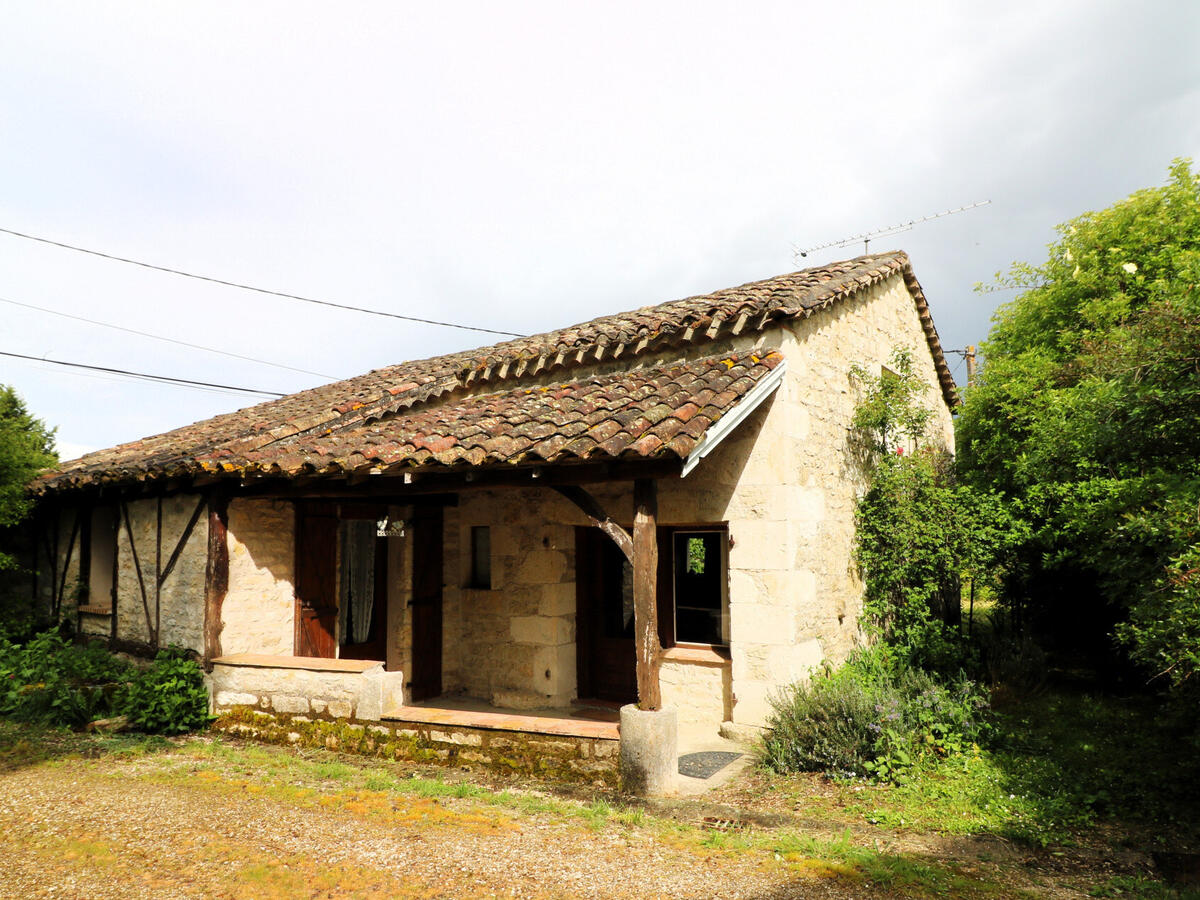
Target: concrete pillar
(649,751)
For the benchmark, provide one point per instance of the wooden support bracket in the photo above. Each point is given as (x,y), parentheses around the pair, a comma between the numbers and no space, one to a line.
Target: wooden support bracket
(598,517)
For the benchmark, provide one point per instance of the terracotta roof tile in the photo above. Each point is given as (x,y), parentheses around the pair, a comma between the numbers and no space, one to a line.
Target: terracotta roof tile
(384,415)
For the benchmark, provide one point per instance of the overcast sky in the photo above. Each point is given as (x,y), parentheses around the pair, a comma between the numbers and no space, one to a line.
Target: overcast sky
(526,166)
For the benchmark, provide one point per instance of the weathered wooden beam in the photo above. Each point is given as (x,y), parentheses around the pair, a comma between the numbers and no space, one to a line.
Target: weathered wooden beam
(62,582)
(137,567)
(645,592)
(187,533)
(216,575)
(158,580)
(591,508)
(548,475)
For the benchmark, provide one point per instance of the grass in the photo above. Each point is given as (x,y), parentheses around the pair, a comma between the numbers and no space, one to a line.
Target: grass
(401,795)
(1058,766)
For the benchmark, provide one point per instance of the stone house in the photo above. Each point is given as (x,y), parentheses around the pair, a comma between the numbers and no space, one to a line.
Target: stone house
(458,534)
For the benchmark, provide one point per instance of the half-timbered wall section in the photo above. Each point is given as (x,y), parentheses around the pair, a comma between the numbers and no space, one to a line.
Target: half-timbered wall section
(162,550)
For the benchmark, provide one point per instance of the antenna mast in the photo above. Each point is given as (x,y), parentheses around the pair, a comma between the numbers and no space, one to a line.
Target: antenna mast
(867,236)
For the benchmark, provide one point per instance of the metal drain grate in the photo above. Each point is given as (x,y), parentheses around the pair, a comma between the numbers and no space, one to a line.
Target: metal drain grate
(716,823)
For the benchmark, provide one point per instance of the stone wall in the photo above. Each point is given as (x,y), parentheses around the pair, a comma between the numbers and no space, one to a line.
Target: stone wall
(514,643)
(795,592)
(181,604)
(331,689)
(700,692)
(176,611)
(259,611)
(573,759)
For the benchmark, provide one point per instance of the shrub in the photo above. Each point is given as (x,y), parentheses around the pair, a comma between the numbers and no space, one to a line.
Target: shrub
(52,682)
(169,697)
(871,718)
(822,726)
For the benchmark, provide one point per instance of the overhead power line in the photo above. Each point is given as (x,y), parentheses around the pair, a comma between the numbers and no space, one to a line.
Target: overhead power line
(162,379)
(159,337)
(249,287)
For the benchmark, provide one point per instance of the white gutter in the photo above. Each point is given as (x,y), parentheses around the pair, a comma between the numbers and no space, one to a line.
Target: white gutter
(728,422)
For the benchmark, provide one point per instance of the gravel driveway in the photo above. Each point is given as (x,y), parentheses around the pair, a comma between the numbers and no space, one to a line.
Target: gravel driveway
(125,827)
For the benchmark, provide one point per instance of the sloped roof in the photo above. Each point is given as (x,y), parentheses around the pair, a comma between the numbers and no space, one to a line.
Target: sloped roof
(385,418)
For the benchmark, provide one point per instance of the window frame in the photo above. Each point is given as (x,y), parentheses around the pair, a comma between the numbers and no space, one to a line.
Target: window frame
(667,600)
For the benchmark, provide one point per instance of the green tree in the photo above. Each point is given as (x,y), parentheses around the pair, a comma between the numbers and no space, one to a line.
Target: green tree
(26,447)
(1086,415)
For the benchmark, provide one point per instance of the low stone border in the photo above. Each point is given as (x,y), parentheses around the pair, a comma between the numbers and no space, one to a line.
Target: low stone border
(556,757)
(321,688)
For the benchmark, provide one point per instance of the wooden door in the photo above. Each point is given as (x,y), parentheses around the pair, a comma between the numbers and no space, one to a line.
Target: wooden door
(427,603)
(316,580)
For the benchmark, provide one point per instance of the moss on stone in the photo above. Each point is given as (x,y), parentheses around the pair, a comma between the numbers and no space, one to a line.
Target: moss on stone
(514,753)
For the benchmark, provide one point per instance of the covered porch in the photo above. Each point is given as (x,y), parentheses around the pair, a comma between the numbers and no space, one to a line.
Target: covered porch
(357,706)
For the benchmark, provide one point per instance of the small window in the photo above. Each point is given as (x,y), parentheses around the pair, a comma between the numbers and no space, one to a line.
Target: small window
(481,558)
(701,609)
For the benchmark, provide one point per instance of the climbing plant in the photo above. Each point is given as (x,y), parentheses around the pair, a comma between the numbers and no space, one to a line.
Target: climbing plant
(919,532)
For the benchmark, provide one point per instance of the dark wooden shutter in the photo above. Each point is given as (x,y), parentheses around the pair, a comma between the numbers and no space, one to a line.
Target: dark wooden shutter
(316,580)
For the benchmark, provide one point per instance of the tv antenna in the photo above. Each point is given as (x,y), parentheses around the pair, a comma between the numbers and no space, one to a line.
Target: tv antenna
(867,236)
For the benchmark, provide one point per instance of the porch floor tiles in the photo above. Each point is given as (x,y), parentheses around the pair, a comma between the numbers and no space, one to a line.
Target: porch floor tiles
(469,712)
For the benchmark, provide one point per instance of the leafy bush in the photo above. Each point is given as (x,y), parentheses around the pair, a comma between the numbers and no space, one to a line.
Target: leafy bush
(50,681)
(823,726)
(1084,416)
(872,718)
(169,697)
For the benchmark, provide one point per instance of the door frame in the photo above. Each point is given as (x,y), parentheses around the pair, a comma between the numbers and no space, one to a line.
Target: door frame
(330,515)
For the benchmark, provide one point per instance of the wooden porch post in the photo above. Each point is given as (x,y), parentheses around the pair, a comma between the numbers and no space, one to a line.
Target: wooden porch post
(645,594)
(216,575)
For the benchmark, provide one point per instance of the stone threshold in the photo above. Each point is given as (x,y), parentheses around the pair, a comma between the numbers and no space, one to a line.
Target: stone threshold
(565,722)
(309,663)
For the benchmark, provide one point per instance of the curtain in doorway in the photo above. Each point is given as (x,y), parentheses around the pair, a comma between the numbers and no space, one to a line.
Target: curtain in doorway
(356,595)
